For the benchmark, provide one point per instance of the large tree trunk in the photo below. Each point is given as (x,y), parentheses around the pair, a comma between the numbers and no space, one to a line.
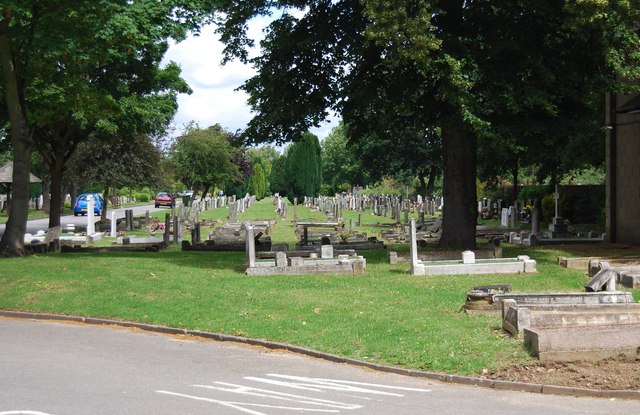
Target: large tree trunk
(46,195)
(56,190)
(105,205)
(12,243)
(433,174)
(514,174)
(459,187)
(205,191)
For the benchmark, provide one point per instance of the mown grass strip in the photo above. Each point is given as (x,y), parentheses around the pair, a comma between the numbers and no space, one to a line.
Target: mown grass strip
(385,316)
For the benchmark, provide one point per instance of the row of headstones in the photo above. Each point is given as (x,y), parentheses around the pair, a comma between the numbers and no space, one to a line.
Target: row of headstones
(281,206)
(196,206)
(239,206)
(380,205)
(34,203)
(508,218)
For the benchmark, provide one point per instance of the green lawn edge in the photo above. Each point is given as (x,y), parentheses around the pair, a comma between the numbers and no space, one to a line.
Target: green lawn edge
(386,316)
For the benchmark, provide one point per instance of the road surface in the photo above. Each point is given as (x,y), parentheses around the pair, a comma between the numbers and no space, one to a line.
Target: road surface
(52,368)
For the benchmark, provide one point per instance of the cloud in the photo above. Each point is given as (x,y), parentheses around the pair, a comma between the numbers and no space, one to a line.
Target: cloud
(215,98)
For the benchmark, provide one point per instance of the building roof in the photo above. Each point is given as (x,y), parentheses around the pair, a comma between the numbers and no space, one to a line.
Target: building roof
(6,174)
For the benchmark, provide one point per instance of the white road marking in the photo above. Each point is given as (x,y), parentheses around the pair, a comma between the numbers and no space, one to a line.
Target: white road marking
(23,413)
(240,405)
(279,395)
(348,382)
(320,385)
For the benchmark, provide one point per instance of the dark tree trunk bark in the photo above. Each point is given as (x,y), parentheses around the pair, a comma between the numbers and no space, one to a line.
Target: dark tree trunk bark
(433,174)
(205,191)
(459,187)
(12,242)
(46,195)
(422,188)
(56,190)
(514,173)
(105,205)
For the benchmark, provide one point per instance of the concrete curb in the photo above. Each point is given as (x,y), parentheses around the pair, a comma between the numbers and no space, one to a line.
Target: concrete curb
(442,377)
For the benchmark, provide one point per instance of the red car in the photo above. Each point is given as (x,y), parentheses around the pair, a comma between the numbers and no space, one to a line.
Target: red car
(165,199)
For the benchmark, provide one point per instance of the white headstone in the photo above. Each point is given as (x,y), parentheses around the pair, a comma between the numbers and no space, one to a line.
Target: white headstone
(326,251)
(91,227)
(114,231)
(504,217)
(468,257)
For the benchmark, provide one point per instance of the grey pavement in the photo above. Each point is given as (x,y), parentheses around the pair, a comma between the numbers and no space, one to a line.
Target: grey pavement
(55,368)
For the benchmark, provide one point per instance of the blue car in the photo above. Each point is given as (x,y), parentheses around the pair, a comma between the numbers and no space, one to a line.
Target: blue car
(80,207)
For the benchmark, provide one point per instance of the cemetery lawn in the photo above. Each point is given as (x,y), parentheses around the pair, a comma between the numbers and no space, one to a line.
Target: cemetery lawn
(385,316)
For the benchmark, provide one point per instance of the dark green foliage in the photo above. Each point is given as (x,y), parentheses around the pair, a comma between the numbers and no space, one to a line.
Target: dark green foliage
(303,168)
(579,204)
(257,183)
(205,157)
(342,165)
(278,182)
(533,192)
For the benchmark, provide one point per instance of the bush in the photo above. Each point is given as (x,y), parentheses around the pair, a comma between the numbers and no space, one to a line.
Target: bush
(533,192)
(548,207)
(142,197)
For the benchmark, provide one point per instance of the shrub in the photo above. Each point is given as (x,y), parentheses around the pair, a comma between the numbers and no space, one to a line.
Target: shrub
(548,207)
(142,197)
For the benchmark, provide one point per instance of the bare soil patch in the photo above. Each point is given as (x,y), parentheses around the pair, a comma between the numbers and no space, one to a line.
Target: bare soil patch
(610,374)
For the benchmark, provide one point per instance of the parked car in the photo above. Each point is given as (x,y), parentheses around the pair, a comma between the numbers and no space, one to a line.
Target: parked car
(165,199)
(80,207)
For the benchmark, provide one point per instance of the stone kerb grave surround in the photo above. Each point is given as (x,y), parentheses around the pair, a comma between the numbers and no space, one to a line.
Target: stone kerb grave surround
(283,265)
(625,271)
(596,324)
(468,264)
(568,330)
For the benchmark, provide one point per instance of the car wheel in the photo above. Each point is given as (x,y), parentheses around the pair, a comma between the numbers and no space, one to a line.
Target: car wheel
(75,213)
(157,206)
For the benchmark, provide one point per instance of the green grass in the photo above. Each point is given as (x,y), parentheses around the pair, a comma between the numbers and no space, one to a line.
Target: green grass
(385,316)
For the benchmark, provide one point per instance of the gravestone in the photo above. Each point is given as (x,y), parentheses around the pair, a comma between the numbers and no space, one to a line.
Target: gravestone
(114,231)
(504,217)
(535,220)
(251,247)
(91,226)
(326,251)
(281,259)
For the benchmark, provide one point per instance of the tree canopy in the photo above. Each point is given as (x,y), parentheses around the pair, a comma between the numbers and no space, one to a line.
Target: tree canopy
(471,71)
(303,167)
(68,66)
(204,157)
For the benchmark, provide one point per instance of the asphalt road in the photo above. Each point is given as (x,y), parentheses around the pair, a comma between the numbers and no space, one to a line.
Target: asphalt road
(51,368)
(33,226)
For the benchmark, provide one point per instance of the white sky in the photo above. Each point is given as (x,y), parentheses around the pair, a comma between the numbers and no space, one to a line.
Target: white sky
(214,98)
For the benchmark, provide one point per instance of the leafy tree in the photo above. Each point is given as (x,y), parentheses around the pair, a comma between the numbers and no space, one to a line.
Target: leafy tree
(303,168)
(65,66)
(116,164)
(439,55)
(257,183)
(342,164)
(204,158)
(278,181)
(265,156)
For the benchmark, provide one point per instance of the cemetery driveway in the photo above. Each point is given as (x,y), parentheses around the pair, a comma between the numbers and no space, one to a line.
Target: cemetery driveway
(33,226)
(60,368)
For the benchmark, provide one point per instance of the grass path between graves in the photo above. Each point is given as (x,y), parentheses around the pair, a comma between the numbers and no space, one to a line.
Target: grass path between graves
(385,316)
